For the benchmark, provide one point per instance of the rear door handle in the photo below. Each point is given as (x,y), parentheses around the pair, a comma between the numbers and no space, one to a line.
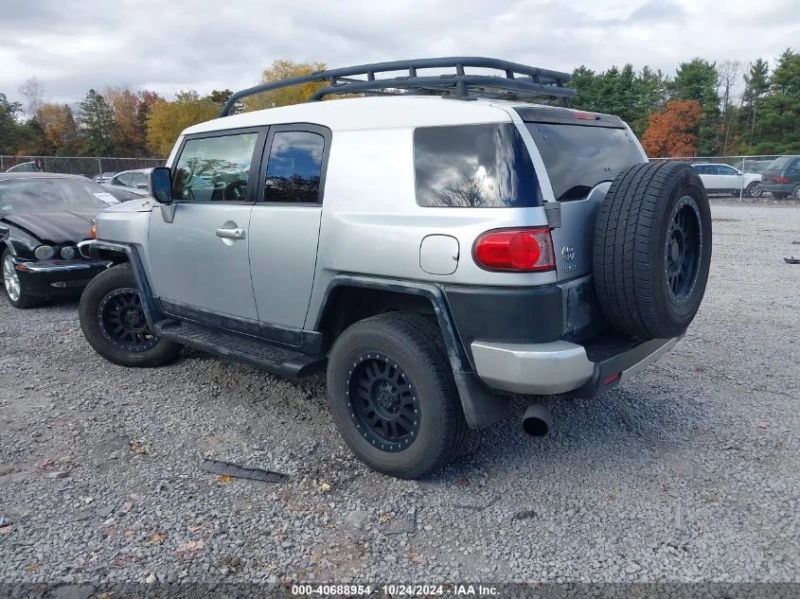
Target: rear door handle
(235,233)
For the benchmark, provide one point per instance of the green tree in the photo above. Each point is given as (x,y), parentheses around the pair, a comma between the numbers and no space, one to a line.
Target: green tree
(10,129)
(698,80)
(756,87)
(779,123)
(96,124)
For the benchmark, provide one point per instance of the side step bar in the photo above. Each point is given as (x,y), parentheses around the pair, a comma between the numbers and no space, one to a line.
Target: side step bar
(282,361)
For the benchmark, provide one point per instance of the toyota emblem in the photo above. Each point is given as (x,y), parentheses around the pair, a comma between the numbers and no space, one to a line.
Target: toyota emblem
(568,252)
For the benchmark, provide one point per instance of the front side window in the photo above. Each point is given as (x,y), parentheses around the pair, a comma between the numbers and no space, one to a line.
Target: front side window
(726,170)
(214,169)
(294,168)
(474,166)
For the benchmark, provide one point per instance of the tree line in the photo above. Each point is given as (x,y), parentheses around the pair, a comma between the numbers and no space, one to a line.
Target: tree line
(704,109)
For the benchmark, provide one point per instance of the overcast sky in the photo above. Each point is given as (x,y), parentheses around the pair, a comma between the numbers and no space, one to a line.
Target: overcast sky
(168,45)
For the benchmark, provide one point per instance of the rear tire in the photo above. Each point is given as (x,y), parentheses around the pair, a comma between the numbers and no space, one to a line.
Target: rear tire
(393,397)
(113,322)
(652,249)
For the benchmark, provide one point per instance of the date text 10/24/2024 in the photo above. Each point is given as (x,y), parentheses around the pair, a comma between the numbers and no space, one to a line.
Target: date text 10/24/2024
(394,590)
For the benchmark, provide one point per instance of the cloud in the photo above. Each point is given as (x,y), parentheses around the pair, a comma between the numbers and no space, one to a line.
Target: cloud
(656,10)
(74,45)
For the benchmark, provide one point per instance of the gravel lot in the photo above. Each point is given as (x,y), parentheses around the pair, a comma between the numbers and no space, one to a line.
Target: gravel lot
(690,472)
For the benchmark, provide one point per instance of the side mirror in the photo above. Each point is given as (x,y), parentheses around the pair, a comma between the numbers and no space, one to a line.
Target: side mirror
(161,184)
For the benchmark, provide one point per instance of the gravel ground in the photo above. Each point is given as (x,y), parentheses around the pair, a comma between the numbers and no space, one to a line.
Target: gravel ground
(689,473)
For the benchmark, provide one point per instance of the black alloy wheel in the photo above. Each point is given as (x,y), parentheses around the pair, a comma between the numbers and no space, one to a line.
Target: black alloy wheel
(683,251)
(122,321)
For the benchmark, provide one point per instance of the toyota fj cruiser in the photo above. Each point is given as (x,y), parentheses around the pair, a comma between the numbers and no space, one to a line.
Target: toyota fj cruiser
(438,248)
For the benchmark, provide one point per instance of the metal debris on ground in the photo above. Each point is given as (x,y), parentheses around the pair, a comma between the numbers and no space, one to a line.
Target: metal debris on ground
(792,260)
(5,521)
(232,470)
(478,507)
(404,526)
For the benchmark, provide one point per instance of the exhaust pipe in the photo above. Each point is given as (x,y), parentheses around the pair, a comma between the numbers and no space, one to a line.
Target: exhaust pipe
(536,420)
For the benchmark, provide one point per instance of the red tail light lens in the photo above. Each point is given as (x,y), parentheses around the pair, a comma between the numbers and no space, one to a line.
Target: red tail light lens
(781,179)
(520,250)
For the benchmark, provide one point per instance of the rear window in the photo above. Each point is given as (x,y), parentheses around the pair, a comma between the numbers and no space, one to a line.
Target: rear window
(779,163)
(474,166)
(577,158)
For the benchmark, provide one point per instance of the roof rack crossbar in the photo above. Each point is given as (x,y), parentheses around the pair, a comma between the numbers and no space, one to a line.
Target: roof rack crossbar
(534,80)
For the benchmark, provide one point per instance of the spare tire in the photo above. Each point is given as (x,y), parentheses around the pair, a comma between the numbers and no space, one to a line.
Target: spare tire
(652,249)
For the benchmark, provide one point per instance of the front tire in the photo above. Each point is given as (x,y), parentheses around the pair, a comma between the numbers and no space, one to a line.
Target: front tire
(393,397)
(12,287)
(752,191)
(113,322)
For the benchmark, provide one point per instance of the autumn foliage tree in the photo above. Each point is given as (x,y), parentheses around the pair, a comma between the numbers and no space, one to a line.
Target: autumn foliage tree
(166,120)
(672,133)
(296,94)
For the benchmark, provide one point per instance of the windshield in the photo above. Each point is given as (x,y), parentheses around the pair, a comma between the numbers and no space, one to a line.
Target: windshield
(577,158)
(50,195)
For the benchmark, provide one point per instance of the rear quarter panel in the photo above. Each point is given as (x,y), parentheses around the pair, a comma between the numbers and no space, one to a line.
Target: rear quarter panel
(372,225)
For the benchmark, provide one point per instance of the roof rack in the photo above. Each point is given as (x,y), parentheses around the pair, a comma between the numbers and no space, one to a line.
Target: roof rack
(517,81)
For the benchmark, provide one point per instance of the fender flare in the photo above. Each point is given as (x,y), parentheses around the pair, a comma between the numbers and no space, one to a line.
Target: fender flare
(98,249)
(482,406)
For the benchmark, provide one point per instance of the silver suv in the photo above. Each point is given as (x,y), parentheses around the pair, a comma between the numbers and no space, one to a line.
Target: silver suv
(438,249)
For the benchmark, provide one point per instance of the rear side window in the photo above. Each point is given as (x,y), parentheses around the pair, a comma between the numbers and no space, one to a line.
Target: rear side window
(577,158)
(474,166)
(294,168)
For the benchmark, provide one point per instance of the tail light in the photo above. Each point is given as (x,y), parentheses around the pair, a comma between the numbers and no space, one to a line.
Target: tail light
(518,250)
(781,180)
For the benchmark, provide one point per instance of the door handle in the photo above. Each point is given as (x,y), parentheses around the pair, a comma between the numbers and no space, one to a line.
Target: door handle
(228,233)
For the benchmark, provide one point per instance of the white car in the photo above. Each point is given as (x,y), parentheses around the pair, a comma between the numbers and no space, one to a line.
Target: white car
(725,179)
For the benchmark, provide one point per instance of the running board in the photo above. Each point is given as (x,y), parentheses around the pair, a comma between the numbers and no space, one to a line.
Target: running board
(278,360)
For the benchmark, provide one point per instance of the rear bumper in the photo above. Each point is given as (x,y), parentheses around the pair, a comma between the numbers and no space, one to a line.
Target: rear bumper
(57,277)
(563,367)
(777,187)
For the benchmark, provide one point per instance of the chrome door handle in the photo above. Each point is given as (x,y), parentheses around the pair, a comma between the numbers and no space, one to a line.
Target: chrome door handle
(226,233)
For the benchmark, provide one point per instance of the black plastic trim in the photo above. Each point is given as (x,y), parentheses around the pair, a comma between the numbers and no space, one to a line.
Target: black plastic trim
(605,367)
(506,314)
(211,319)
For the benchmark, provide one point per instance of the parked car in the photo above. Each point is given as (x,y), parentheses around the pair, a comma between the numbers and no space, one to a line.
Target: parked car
(43,217)
(130,185)
(782,178)
(436,256)
(104,177)
(725,179)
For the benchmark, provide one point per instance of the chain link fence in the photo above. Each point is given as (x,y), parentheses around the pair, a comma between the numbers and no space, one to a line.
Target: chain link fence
(76,165)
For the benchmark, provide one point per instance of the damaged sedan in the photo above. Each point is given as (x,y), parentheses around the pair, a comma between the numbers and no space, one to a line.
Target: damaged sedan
(43,217)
